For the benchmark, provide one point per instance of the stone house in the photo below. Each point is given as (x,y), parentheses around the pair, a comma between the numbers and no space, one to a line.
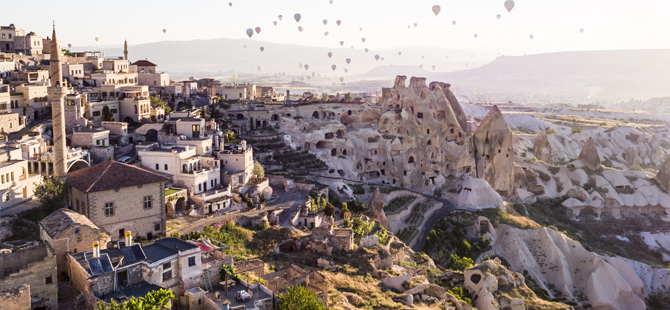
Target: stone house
(293,275)
(16,184)
(90,137)
(35,266)
(325,240)
(121,273)
(238,162)
(118,197)
(70,232)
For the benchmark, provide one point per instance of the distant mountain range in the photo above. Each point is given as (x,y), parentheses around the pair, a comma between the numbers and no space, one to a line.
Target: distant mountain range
(584,76)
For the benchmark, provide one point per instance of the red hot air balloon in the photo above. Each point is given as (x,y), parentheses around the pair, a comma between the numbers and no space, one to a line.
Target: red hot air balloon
(475,35)
(453,22)
(300,28)
(325,33)
(415,24)
(581,30)
(531,36)
(509,5)
(330,54)
(258,30)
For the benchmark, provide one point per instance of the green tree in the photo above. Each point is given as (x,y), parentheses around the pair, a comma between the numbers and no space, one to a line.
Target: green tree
(258,170)
(348,97)
(299,298)
(359,207)
(152,300)
(66,52)
(344,209)
(459,263)
(324,97)
(51,193)
(230,138)
(157,103)
(329,210)
(107,115)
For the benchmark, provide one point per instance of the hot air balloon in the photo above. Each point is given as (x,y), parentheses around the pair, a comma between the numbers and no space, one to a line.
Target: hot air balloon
(297,17)
(245,46)
(399,53)
(96,39)
(338,22)
(274,22)
(581,30)
(377,57)
(325,33)
(453,22)
(341,43)
(366,50)
(325,21)
(262,49)
(300,65)
(498,16)
(352,47)
(348,60)
(436,9)
(258,30)
(409,27)
(415,24)
(259,68)
(433,67)
(346,70)
(509,5)
(250,32)
(531,36)
(421,66)
(421,57)
(382,58)
(280,17)
(341,80)
(330,54)
(164,30)
(333,67)
(300,28)
(69,45)
(313,74)
(475,35)
(306,67)
(230,4)
(363,40)
(309,77)
(234,77)
(331,1)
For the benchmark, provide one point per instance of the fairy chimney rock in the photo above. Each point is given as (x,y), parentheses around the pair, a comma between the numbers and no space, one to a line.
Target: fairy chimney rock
(663,175)
(542,147)
(376,205)
(493,152)
(589,155)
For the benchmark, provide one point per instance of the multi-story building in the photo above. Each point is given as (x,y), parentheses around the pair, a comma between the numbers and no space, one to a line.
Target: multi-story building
(119,198)
(36,97)
(168,263)
(238,162)
(30,44)
(16,184)
(7,35)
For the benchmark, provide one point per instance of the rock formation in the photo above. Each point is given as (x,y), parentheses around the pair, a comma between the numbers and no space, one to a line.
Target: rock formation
(542,148)
(493,152)
(376,205)
(478,194)
(589,155)
(663,175)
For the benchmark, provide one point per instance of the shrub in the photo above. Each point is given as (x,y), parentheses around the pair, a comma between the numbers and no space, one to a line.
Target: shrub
(636,167)
(299,298)
(533,160)
(457,291)
(459,263)
(551,131)
(359,207)
(576,130)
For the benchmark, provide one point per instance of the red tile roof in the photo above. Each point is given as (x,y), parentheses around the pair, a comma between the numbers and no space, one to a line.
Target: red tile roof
(111,175)
(144,63)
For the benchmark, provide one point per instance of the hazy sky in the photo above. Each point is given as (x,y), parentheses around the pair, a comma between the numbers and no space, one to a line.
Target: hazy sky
(555,24)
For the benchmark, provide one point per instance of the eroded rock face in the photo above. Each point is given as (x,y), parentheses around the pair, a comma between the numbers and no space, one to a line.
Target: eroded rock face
(663,175)
(589,155)
(542,148)
(376,205)
(493,152)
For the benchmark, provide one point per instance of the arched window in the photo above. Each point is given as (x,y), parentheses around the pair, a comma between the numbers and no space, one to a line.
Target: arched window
(410,160)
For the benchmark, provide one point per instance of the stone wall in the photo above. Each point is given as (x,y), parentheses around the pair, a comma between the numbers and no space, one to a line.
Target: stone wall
(10,123)
(69,242)
(16,298)
(37,269)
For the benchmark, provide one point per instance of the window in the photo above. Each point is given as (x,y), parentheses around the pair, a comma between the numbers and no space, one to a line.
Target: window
(76,230)
(191,261)
(96,113)
(166,167)
(109,209)
(167,265)
(199,187)
(157,166)
(157,227)
(147,202)
(97,142)
(48,280)
(77,204)
(5,197)
(167,275)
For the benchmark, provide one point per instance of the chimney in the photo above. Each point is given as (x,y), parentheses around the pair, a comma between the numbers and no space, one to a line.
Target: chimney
(96,249)
(129,238)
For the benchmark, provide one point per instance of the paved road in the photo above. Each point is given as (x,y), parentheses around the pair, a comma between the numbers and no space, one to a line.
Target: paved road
(447,207)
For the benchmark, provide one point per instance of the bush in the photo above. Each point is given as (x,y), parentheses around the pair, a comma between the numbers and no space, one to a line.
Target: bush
(457,291)
(359,207)
(459,263)
(551,131)
(576,130)
(533,160)
(299,298)
(636,167)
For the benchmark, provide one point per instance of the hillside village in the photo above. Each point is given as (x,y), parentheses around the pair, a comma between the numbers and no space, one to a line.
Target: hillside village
(230,196)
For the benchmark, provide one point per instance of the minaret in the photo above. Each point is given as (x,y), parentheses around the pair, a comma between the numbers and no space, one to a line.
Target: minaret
(125,50)
(57,92)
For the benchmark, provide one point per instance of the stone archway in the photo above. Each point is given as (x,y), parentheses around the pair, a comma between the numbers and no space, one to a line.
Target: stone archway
(181,206)
(152,136)
(79,164)
(169,209)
